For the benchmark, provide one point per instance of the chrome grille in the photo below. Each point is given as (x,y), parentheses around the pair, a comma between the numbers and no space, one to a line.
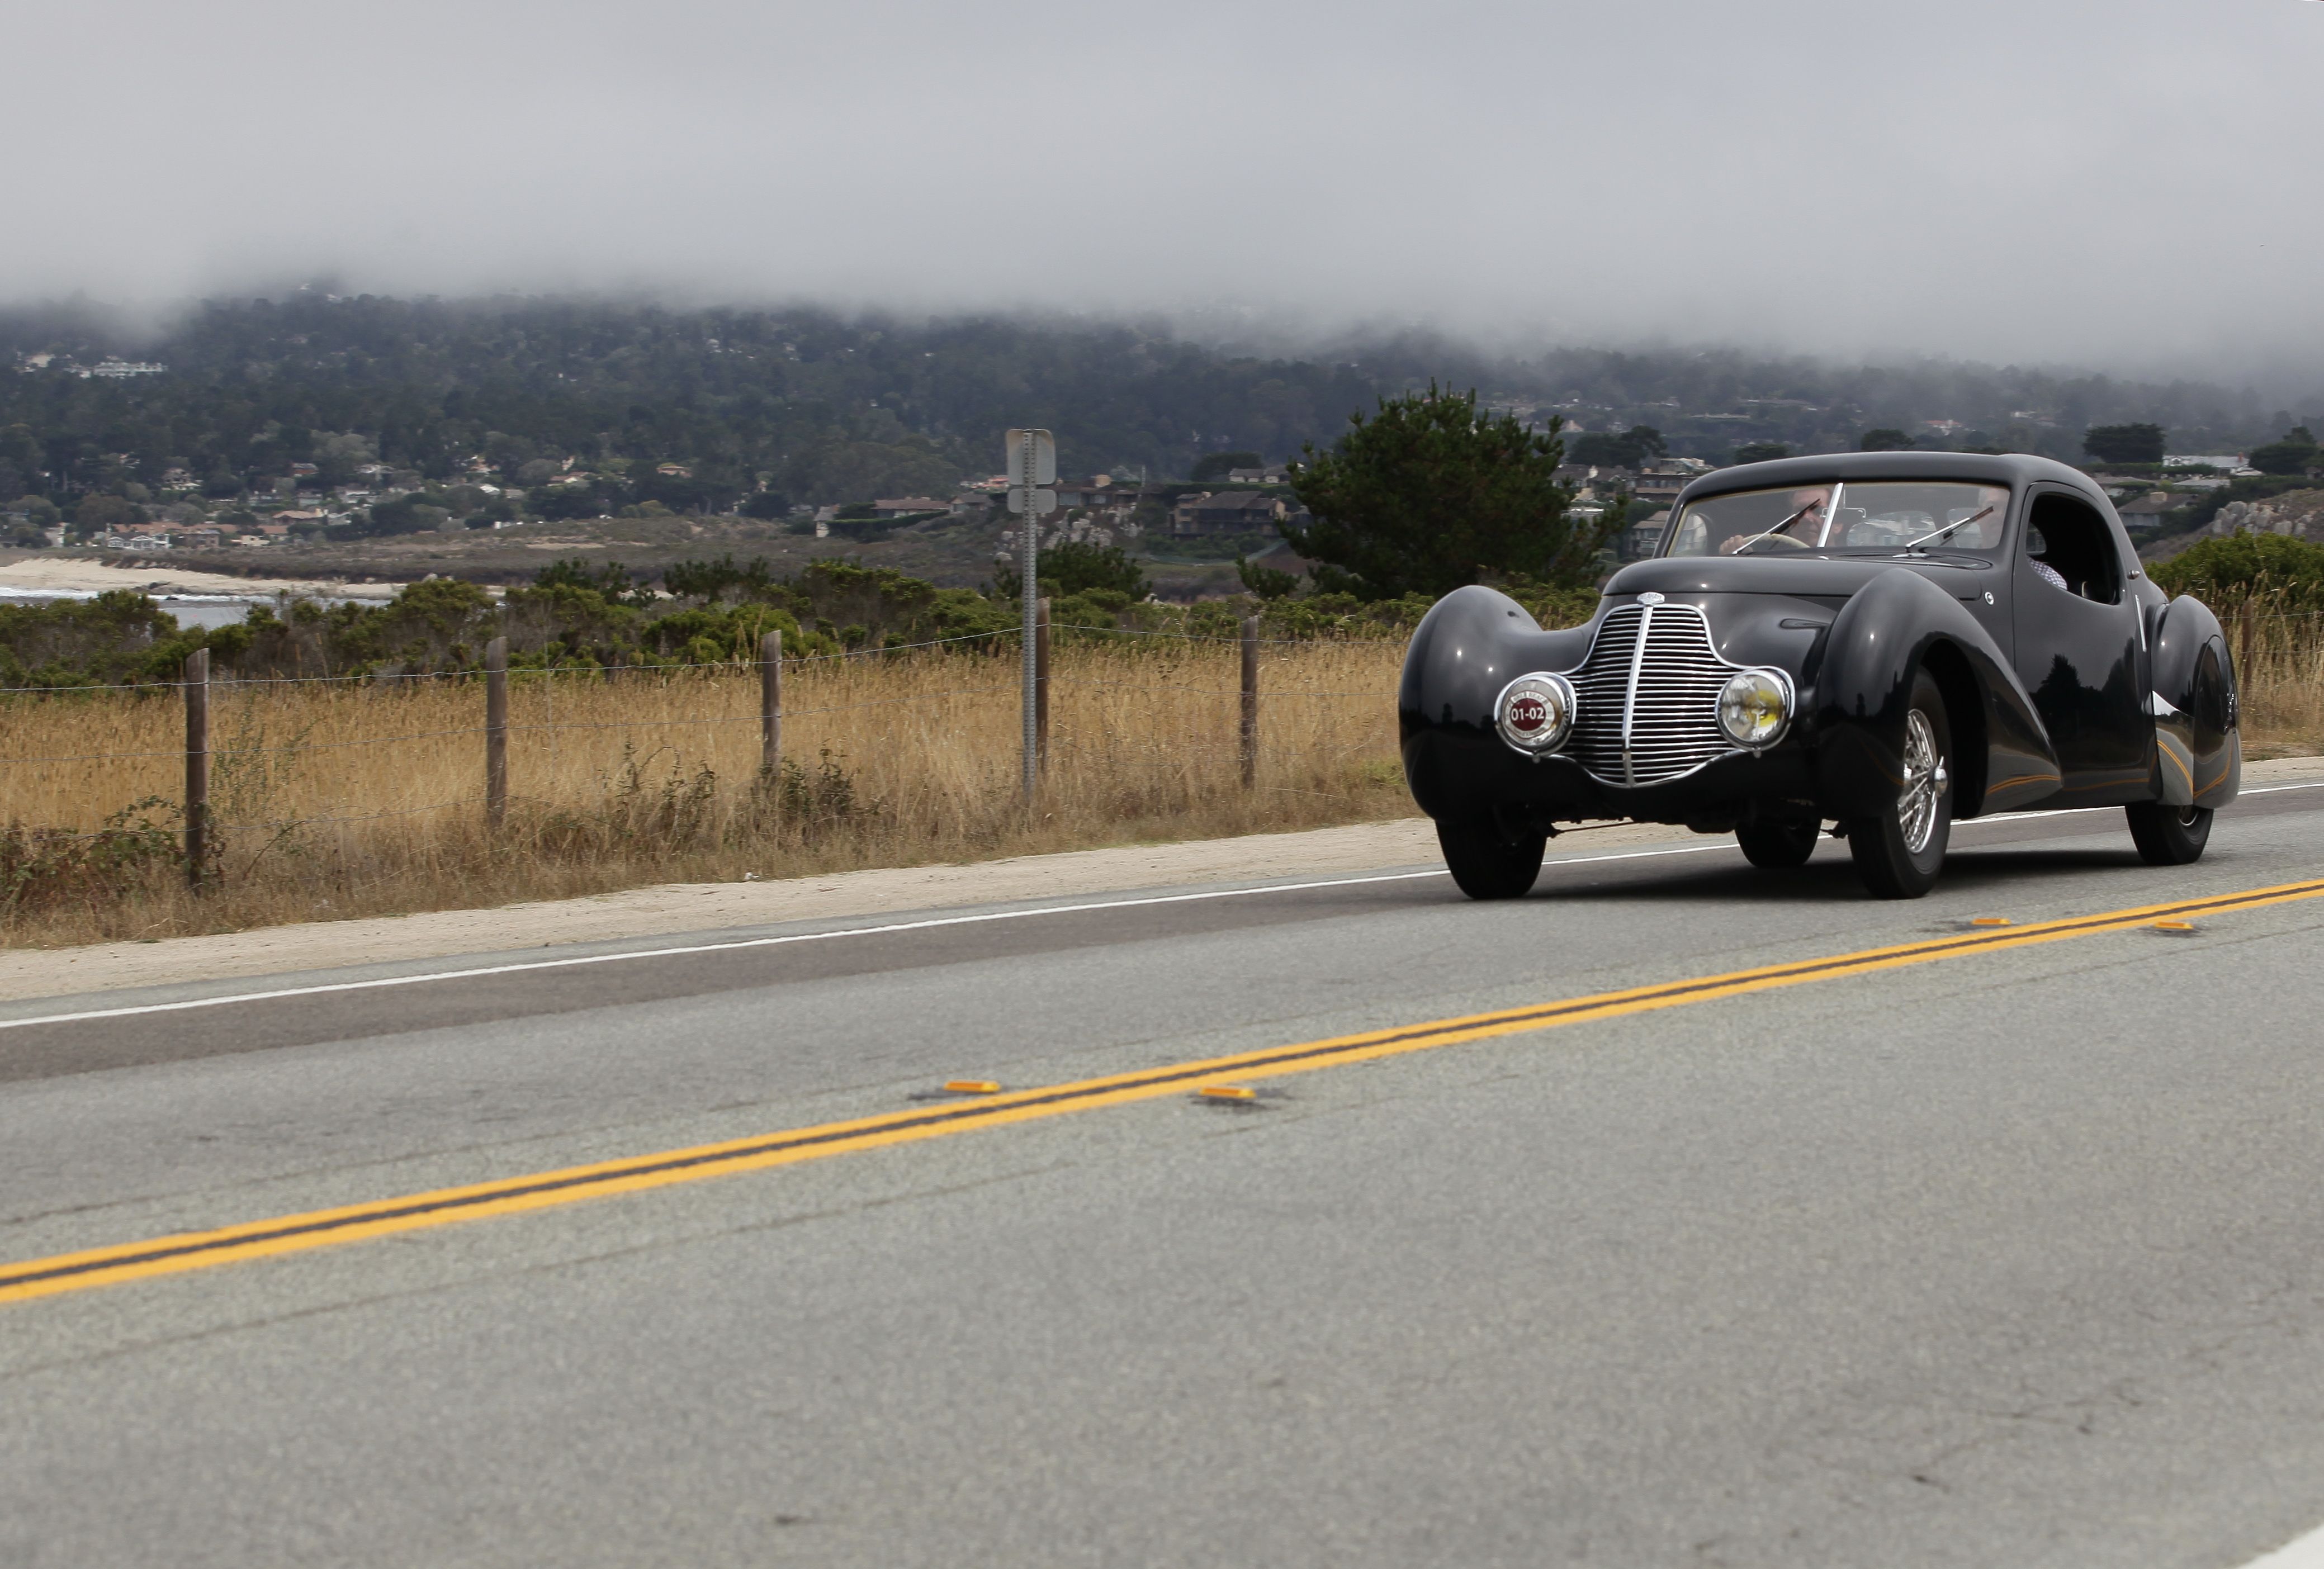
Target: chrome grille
(1672,715)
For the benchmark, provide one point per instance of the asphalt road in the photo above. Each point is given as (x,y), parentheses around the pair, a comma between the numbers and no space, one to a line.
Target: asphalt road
(2007,1257)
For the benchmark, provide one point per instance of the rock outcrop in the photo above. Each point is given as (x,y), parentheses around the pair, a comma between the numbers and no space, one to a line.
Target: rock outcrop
(2299,512)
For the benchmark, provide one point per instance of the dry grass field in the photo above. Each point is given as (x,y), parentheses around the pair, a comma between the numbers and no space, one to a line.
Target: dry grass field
(2280,661)
(356,798)
(341,799)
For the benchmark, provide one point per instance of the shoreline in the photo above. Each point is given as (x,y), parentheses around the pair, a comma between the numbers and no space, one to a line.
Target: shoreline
(72,575)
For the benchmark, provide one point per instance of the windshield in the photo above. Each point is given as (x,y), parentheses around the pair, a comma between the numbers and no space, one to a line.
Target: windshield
(1883,515)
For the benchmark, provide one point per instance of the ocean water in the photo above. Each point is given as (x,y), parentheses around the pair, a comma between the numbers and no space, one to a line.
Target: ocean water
(209,610)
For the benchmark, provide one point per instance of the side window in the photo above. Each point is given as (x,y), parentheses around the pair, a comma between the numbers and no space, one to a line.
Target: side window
(2072,540)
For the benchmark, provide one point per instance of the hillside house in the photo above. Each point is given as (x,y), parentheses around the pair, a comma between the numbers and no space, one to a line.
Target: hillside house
(1098,491)
(1226,511)
(1659,482)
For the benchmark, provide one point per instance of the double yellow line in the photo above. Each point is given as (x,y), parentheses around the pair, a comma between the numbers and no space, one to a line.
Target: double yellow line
(325,1228)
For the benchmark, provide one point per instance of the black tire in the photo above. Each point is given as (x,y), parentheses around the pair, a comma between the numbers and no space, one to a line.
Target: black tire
(1899,852)
(2168,835)
(1777,845)
(1487,863)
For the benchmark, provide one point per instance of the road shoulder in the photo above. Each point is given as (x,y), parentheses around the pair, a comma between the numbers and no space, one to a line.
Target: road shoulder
(671,909)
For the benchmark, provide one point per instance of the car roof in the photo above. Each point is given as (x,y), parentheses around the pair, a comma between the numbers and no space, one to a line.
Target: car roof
(2016,469)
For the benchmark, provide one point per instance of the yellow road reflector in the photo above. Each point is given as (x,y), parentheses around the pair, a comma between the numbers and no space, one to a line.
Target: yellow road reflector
(1990,920)
(973,1086)
(2174,926)
(1228,1093)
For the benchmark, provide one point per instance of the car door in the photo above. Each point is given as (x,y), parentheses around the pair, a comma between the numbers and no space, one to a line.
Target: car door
(1986,593)
(2077,647)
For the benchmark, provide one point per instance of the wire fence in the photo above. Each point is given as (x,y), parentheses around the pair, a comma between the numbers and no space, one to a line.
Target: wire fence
(922,736)
(583,669)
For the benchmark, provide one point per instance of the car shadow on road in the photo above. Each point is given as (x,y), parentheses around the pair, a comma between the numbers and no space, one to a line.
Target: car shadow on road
(1829,877)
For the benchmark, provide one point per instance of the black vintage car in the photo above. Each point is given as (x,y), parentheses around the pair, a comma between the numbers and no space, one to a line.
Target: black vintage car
(1883,641)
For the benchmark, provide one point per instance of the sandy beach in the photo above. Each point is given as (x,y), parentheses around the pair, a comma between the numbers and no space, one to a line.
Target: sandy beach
(47,573)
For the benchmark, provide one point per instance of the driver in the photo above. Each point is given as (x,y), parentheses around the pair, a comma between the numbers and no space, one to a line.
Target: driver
(1803,523)
(2036,547)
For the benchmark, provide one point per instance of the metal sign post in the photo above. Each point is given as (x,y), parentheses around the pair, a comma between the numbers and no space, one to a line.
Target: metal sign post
(1032,458)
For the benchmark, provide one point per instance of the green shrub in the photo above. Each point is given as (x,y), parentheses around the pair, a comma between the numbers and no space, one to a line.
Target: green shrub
(2286,572)
(119,637)
(41,867)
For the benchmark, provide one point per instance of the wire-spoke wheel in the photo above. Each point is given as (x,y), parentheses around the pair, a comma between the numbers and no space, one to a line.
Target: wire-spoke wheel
(1899,854)
(1924,780)
(2168,835)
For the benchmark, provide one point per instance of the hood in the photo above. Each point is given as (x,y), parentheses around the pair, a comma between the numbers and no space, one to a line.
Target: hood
(1793,573)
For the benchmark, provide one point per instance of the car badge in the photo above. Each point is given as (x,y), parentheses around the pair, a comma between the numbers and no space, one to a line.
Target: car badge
(1650,597)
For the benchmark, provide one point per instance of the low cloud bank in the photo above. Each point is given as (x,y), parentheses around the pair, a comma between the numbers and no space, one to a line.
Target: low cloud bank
(2118,184)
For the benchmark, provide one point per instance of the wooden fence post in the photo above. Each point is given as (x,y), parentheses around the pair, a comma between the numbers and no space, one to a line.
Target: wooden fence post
(496,731)
(1250,702)
(1041,684)
(197,677)
(770,705)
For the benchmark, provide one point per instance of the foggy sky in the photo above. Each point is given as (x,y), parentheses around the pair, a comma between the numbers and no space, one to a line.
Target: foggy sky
(2129,184)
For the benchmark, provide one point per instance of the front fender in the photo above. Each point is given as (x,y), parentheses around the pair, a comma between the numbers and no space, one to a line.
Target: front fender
(1472,643)
(2198,732)
(1897,624)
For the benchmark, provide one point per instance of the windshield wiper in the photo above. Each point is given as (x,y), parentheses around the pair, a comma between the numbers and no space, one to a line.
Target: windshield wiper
(1948,527)
(1778,529)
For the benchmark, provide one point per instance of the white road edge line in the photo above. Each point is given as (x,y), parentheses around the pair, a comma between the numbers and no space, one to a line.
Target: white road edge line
(521,966)
(381,982)
(2306,1553)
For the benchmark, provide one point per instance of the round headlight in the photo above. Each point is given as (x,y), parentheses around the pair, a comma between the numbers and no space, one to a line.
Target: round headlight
(1535,711)
(1754,706)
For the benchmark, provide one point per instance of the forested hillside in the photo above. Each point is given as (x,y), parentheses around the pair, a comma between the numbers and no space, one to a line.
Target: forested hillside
(810,407)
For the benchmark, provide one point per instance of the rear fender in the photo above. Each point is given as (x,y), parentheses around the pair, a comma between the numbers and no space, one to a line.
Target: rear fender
(2198,730)
(1893,626)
